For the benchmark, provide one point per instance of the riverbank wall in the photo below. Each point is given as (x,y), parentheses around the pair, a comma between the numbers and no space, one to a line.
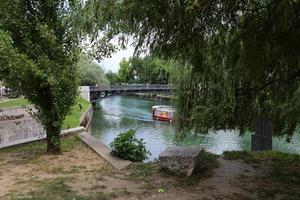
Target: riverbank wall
(18,127)
(86,118)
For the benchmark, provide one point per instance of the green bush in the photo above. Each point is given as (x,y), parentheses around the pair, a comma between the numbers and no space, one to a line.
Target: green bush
(128,147)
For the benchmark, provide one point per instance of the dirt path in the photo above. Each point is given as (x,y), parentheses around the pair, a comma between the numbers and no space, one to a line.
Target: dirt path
(227,178)
(25,175)
(225,183)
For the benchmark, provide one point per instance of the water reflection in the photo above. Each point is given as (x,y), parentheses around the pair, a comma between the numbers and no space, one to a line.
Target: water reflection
(118,114)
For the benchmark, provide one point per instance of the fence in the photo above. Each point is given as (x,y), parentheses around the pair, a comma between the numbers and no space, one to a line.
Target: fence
(131,87)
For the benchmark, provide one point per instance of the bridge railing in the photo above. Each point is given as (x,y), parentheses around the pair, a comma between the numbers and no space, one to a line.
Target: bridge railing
(100,88)
(131,87)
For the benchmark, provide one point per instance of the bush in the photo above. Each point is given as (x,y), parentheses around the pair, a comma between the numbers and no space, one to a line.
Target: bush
(128,147)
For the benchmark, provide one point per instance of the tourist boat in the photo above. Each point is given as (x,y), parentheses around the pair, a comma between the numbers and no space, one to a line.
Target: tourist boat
(163,113)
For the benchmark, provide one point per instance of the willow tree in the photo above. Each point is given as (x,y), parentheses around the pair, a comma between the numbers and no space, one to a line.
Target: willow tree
(90,73)
(244,56)
(38,55)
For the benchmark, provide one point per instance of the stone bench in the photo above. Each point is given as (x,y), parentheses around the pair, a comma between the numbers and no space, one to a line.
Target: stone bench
(182,160)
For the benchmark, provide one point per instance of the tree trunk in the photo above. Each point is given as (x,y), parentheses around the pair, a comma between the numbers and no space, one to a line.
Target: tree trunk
(53,140)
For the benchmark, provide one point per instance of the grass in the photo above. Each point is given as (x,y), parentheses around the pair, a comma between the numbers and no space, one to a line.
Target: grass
(12,103)
(58,189)
(282,177)
(52,189)
(262,156)
(39,147)
(71,121)
(141,171)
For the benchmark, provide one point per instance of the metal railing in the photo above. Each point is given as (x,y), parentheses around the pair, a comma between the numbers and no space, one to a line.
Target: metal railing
(131,87)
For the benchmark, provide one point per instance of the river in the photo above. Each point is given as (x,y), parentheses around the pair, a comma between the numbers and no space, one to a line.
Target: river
(120,113)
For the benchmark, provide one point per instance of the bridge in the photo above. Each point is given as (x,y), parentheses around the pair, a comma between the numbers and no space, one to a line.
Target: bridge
(93,93)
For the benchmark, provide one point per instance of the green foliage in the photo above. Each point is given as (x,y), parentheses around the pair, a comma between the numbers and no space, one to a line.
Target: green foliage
(38,55)
(113,78)
(243,55)
(128,147)
(149,69)
(125,72)
(90,73)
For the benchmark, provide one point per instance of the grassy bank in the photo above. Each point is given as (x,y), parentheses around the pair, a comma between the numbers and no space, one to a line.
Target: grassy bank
(71,121)
(12,103)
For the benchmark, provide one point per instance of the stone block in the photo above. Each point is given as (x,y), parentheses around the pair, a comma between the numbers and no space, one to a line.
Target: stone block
(182,160)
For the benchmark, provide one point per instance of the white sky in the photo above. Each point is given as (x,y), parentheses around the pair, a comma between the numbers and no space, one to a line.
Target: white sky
(113,62)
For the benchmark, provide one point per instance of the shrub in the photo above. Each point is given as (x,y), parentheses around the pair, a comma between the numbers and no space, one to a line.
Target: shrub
(128,147)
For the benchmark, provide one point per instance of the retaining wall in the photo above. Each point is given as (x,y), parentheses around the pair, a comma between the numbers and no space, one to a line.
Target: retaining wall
(86,118)
(19,129)
(27,129)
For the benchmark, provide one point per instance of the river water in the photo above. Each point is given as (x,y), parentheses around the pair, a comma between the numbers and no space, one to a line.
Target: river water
(120,113)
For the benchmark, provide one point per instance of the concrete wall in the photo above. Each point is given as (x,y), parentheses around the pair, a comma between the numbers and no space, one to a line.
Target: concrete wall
(26,129)
(13,111)
(85,92)
(86,118)
(19,129)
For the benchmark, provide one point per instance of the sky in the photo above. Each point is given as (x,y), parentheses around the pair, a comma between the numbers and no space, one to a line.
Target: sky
(113,62)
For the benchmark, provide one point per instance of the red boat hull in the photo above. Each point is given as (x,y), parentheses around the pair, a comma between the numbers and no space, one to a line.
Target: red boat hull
(165,117)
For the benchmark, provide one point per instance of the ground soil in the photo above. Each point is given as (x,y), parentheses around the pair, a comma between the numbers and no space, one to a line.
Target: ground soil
(21,173)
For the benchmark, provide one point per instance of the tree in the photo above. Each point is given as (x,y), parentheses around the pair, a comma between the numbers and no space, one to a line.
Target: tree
(113,78)
(38,55)
(125,72)
(243,55)
(150,70)
(90,73)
